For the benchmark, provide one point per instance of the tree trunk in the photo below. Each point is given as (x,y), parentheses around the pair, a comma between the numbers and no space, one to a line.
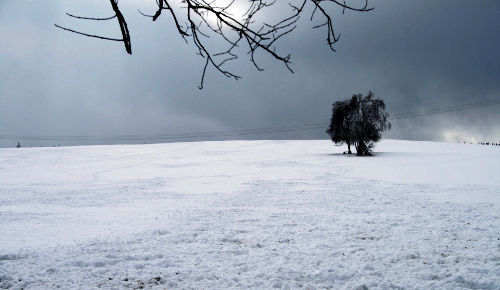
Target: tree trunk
(349,148)
(362,149)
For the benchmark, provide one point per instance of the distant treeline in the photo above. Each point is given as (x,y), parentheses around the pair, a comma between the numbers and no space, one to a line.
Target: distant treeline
(488,143)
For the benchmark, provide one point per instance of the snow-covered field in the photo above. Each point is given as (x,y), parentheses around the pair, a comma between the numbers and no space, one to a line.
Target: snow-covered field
(250,214)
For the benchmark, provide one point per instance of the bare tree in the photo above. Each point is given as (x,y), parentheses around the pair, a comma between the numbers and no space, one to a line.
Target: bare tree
(199,20)
(359,121)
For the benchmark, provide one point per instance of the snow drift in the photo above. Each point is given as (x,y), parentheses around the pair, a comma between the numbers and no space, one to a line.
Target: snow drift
(250,214)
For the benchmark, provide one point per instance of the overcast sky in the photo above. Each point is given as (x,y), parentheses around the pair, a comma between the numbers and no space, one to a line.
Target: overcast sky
(416,55)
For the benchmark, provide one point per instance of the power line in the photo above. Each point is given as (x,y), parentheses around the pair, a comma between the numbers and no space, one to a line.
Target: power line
(446,109)
(242,132)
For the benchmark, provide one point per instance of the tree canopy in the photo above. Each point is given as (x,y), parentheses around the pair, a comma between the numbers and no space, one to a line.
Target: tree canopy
(358,121)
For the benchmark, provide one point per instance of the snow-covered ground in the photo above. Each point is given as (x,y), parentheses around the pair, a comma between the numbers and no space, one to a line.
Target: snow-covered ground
(250,214)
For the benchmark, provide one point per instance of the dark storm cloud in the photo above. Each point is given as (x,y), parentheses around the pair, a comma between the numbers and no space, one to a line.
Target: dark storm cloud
(415,54)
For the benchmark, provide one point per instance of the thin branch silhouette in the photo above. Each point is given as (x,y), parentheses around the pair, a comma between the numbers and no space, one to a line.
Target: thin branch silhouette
(199,20)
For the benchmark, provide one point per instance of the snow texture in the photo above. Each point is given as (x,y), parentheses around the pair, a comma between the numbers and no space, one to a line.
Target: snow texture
(250,214)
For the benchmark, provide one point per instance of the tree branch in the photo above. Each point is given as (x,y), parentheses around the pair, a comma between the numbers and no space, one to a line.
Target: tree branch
(204,19)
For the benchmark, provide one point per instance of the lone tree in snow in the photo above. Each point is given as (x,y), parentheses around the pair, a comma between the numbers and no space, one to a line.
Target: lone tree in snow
(251,25)
(18,145)
(358,121)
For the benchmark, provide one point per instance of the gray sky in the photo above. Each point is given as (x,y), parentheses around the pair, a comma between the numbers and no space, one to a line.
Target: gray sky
(416,55)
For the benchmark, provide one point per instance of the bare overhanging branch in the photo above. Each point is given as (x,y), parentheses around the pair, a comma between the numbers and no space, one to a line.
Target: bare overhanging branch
(201,21)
